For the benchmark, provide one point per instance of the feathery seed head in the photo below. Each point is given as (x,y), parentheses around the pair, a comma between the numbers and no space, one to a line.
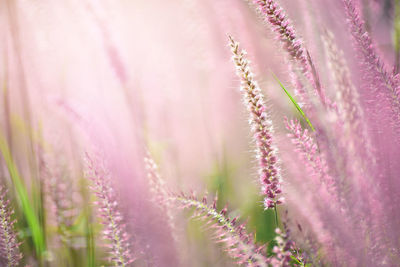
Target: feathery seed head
(160,193)
(380,82)
(303,66)
(238,244)
(308,151)
(112,219)
(262,128)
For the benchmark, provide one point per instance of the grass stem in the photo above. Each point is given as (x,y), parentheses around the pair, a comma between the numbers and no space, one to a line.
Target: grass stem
(276,217)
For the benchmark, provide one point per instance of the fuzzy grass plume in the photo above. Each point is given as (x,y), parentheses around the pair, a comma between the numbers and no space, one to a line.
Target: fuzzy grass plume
(114,228)
(350,111)
(262,128)
(380,82)
(294,46)
(308,150)
(238,243)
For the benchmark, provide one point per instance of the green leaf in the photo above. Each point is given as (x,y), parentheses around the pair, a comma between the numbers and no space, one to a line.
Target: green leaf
(295,259)
(27,208)
(294,102)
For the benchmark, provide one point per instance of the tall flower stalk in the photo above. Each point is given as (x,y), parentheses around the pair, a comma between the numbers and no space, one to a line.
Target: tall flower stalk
(9,245)
(112,218)
(262,128)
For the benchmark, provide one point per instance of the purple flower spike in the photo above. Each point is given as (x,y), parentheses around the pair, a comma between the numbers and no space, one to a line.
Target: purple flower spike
(262,128)
(308,152)
(379,81)
(293,45)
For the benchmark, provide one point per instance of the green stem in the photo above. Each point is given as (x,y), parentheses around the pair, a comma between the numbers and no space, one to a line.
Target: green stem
(276,217)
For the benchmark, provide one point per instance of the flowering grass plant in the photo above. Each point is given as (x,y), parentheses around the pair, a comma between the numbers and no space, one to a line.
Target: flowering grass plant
(114,113)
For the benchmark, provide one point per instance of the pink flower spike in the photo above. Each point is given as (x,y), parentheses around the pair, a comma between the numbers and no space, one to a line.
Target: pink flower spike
(261,126)
(237,243)
(114,228)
